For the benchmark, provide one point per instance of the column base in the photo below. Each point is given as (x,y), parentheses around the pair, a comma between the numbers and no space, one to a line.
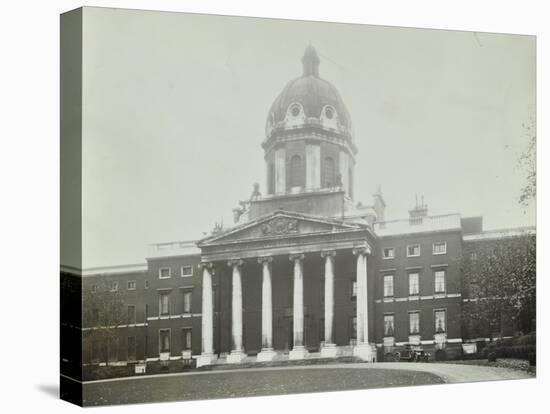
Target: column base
(329,351)
(365,351)
(235,357)
(265,355)
(206,359)
(298,352)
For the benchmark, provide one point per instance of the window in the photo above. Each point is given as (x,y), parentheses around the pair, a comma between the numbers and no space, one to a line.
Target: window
(329,171)
(440,321)
(95,314)
(388,285)
(95,351)
(164,304)
(146,284)
(164,340)
(112,349)
(131,348)
(388,253)
(295,110)
(186,271)
(131,285)
(165,273)
(187,297)
(353,289)
(131,314)
(186,339)
(388,325)
(413,284)
(296,172)
(94,288)
(113,286)
(413,250)
(439,281)
(414,323)
(473,256)
(439,248)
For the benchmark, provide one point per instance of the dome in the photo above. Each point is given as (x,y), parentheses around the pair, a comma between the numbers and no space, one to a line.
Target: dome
(309,99)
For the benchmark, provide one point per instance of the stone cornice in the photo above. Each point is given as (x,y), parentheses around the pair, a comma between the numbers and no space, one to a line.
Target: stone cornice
(310,133)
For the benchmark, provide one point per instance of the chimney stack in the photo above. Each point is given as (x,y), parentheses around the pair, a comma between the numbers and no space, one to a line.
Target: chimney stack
(418,212)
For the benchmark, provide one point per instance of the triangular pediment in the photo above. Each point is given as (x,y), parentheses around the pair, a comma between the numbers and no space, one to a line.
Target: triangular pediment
(279,225)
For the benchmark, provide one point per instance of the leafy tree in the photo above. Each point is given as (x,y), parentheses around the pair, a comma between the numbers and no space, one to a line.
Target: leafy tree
(103,312)
(499,285)
(528,163)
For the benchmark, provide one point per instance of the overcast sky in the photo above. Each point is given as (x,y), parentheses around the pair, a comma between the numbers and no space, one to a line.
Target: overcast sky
(175,108)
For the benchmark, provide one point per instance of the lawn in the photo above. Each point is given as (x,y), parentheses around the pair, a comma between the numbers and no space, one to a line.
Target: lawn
(227,384)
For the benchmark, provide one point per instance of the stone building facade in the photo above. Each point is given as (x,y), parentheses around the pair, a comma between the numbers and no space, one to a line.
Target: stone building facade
(306,270)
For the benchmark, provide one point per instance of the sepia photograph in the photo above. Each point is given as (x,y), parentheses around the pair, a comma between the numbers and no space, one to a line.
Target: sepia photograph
(259,206)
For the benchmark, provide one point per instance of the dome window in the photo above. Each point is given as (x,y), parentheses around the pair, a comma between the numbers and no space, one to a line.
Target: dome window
(329,112)
(329,173)
(295,110)
(297,173)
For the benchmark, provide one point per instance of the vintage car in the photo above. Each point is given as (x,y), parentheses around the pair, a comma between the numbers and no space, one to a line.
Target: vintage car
(411,353)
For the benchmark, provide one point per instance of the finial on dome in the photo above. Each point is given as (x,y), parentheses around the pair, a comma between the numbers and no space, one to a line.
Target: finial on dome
(310,61)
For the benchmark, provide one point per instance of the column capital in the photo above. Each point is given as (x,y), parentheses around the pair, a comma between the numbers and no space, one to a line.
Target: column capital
(235,262)
(362,250)
(328,253)
(265,259)
(206,265)
(296,256)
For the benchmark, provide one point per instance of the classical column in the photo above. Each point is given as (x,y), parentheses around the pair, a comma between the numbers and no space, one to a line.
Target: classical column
(267,353)
(237,354)
(313,166)
(364,349)
(298,349)
(343,164)
(329,348)
(207,356)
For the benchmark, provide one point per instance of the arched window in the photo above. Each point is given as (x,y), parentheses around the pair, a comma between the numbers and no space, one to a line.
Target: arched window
(329,171)
(296,171)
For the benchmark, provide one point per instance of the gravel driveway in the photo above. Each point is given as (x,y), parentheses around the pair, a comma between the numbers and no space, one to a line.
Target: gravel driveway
(453,373)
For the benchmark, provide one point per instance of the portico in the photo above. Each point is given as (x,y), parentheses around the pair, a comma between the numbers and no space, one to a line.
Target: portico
(300,252)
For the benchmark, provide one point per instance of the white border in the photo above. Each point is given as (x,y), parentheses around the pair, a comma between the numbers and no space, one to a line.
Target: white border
(30,29)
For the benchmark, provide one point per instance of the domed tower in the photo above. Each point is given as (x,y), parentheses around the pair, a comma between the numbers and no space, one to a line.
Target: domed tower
(309,152)
(309,138)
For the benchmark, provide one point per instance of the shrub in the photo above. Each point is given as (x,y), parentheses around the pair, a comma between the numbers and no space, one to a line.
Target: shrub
(492,357)
(529,339)
(505,342)
(481,345)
